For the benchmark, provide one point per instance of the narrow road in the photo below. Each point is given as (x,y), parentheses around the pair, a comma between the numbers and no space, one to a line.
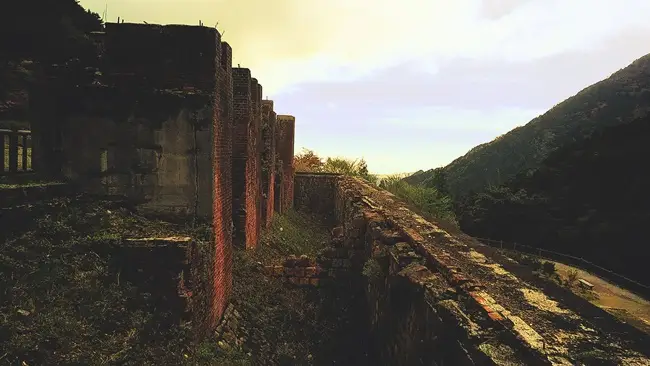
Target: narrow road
(621,303)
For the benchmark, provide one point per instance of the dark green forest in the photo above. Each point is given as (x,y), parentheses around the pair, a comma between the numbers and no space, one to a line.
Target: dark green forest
(572,180)
(619,99)
(589,199)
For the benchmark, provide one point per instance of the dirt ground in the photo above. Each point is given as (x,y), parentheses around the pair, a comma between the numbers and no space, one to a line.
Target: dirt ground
(621,303)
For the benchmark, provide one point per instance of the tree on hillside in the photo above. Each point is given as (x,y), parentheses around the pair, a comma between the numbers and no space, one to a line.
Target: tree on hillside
(617,100)
(588,199)
(437,180)
(307,161)
(428,200)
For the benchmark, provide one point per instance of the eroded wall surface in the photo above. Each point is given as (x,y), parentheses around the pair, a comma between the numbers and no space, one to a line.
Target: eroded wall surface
(242,170)
(437,299)
(254,169)
(285,132)
(222,218)
(316,192)
(267,160)
(153,124)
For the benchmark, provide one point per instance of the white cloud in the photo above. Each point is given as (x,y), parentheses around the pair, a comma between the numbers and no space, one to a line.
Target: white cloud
(286,42)
(495,121)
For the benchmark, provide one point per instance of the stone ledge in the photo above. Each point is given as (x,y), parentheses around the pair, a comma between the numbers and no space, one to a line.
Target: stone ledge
(500,305)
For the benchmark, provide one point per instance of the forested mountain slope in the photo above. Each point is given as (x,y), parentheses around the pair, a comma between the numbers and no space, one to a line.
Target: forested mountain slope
(589,198)
(618,99)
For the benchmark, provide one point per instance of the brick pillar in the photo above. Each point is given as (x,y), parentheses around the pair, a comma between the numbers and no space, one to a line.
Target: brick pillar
(243,159)
(285,131)
(258,159)
(252,172)
(222,183)
(268,162)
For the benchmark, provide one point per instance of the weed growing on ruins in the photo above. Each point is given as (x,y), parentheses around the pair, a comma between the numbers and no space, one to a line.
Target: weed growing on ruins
(572,278)
(308,161)
(284,324)
(60,302)
(427,200)
(293,233)
(12,182)
(372,269)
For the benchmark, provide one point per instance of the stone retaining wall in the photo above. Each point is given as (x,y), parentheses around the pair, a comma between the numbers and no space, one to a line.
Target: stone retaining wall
(434,299)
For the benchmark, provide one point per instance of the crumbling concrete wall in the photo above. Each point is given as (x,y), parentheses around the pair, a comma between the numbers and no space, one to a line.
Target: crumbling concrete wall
(267,160)
(437,299)
(163,57)
(155,126)
(285,132)
(146,145)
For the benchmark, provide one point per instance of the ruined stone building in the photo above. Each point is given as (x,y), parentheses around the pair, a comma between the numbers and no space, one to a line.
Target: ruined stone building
(167,122)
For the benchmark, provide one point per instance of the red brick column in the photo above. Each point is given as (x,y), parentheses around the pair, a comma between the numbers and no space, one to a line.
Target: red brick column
(285,131)
(253,170)
(222,187)
(242,119)
(268,161)
(258,160)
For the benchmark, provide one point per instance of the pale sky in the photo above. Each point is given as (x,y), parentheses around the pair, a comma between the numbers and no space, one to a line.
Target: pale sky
(412,84)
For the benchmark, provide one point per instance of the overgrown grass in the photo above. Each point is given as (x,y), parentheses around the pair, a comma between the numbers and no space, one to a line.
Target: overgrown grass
(427,200)
(60,304)
(28,185)
(293,233)
(25,180)
(288,325)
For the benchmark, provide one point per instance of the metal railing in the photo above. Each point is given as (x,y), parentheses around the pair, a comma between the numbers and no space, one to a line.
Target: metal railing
(571,260)
(15,152)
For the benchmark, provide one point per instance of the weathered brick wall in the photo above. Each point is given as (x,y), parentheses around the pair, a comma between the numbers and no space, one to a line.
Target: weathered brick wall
(438,299)
(258,160)
(316,192)
(285,129)
(252,176)
(243,205)
(222,188)
(253,169)
(301,271)
(267,159)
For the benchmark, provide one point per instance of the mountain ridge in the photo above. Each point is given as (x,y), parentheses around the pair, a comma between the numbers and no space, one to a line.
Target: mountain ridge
(618,99)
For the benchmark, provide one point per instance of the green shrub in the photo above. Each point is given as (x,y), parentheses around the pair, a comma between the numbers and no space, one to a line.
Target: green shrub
(426,199)
(548,268)
(372,269)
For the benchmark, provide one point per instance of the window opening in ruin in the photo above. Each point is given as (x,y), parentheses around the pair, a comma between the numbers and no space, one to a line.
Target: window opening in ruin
(19,152)
(27,160)
(5,150)
(103,160)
